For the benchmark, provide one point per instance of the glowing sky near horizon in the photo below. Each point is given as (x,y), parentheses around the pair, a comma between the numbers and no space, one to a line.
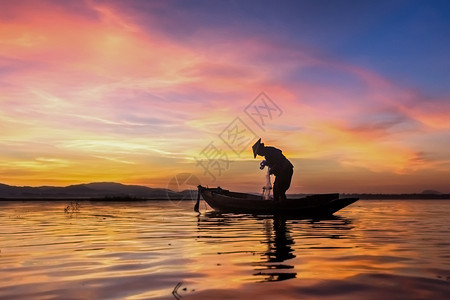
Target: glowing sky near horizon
(133,91)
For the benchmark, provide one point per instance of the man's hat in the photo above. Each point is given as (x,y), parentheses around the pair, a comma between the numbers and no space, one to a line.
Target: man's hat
(256,146)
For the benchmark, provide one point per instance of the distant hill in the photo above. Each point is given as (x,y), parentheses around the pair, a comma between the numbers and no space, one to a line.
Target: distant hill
(90,190)
(431,192)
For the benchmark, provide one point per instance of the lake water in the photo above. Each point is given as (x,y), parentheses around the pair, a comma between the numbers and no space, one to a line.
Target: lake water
(390,249)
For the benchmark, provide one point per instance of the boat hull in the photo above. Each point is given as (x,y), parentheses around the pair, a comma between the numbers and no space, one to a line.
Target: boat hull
(226,201)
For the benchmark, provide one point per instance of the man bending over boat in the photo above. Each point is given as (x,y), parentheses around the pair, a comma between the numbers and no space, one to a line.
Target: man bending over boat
(279,166)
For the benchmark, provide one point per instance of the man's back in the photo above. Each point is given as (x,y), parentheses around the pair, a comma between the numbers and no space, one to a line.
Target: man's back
(276,160)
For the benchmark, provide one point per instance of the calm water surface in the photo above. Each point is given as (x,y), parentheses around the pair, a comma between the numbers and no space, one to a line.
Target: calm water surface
(395,249)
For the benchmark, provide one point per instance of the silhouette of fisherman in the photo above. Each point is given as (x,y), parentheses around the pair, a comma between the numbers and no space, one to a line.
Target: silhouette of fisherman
(279,166)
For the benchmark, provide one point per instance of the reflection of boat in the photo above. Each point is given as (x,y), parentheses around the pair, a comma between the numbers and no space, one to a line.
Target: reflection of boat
(227,201)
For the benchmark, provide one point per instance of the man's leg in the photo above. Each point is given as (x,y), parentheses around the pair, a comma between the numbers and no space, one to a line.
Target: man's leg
(279,188)
(283,189)
(284,183)
(276,190)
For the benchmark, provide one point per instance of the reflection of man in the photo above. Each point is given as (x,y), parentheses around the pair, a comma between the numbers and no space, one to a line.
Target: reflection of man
(279,251)
(279,165)
(282,241)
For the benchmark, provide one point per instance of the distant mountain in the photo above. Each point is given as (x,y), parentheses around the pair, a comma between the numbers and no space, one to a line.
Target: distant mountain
(431,192)
(90,190)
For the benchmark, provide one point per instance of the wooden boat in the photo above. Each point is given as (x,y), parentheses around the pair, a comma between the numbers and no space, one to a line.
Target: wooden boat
(317,205)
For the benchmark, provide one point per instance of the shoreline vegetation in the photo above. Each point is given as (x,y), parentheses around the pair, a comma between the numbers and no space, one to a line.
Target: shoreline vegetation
(136,199)
(110,191)
(399,196)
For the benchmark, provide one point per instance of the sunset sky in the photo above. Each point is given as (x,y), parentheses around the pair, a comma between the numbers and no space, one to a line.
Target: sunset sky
(139,91)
